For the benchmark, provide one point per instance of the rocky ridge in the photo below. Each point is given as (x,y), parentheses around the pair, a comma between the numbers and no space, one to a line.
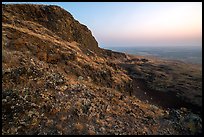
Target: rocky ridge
(56,80)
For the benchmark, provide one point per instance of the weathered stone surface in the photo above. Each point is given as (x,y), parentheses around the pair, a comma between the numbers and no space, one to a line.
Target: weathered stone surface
(57,81)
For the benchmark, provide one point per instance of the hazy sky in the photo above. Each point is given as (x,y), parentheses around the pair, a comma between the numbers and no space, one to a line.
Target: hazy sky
(139,23)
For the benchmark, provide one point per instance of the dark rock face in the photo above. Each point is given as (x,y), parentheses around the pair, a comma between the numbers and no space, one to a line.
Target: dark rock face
(53,18)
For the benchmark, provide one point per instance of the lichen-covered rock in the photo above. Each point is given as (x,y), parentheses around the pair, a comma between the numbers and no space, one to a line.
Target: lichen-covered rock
(57,81)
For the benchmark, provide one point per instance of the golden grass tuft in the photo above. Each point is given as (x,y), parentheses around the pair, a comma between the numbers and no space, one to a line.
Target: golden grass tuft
(79,127)
(91,132)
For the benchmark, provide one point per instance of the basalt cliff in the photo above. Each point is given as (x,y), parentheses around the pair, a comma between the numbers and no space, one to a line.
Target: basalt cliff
(56,80)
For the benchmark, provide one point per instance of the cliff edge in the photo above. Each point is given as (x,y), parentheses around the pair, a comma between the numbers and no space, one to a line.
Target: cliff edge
(57,81)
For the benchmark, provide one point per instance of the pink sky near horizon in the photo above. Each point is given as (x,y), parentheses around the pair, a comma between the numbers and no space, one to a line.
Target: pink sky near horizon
(175,23)
(139,23)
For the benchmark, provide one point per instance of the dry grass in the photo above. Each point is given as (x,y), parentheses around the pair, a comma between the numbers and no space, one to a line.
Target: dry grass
(86,106)
(79,127)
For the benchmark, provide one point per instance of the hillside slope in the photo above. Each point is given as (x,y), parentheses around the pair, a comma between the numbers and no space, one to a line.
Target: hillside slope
(56,80)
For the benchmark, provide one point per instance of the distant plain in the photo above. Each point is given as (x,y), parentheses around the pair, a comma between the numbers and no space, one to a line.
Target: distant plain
(186,54)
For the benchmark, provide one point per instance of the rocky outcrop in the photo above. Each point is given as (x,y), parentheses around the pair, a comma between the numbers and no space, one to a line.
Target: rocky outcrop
(57,81)
(55,19)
